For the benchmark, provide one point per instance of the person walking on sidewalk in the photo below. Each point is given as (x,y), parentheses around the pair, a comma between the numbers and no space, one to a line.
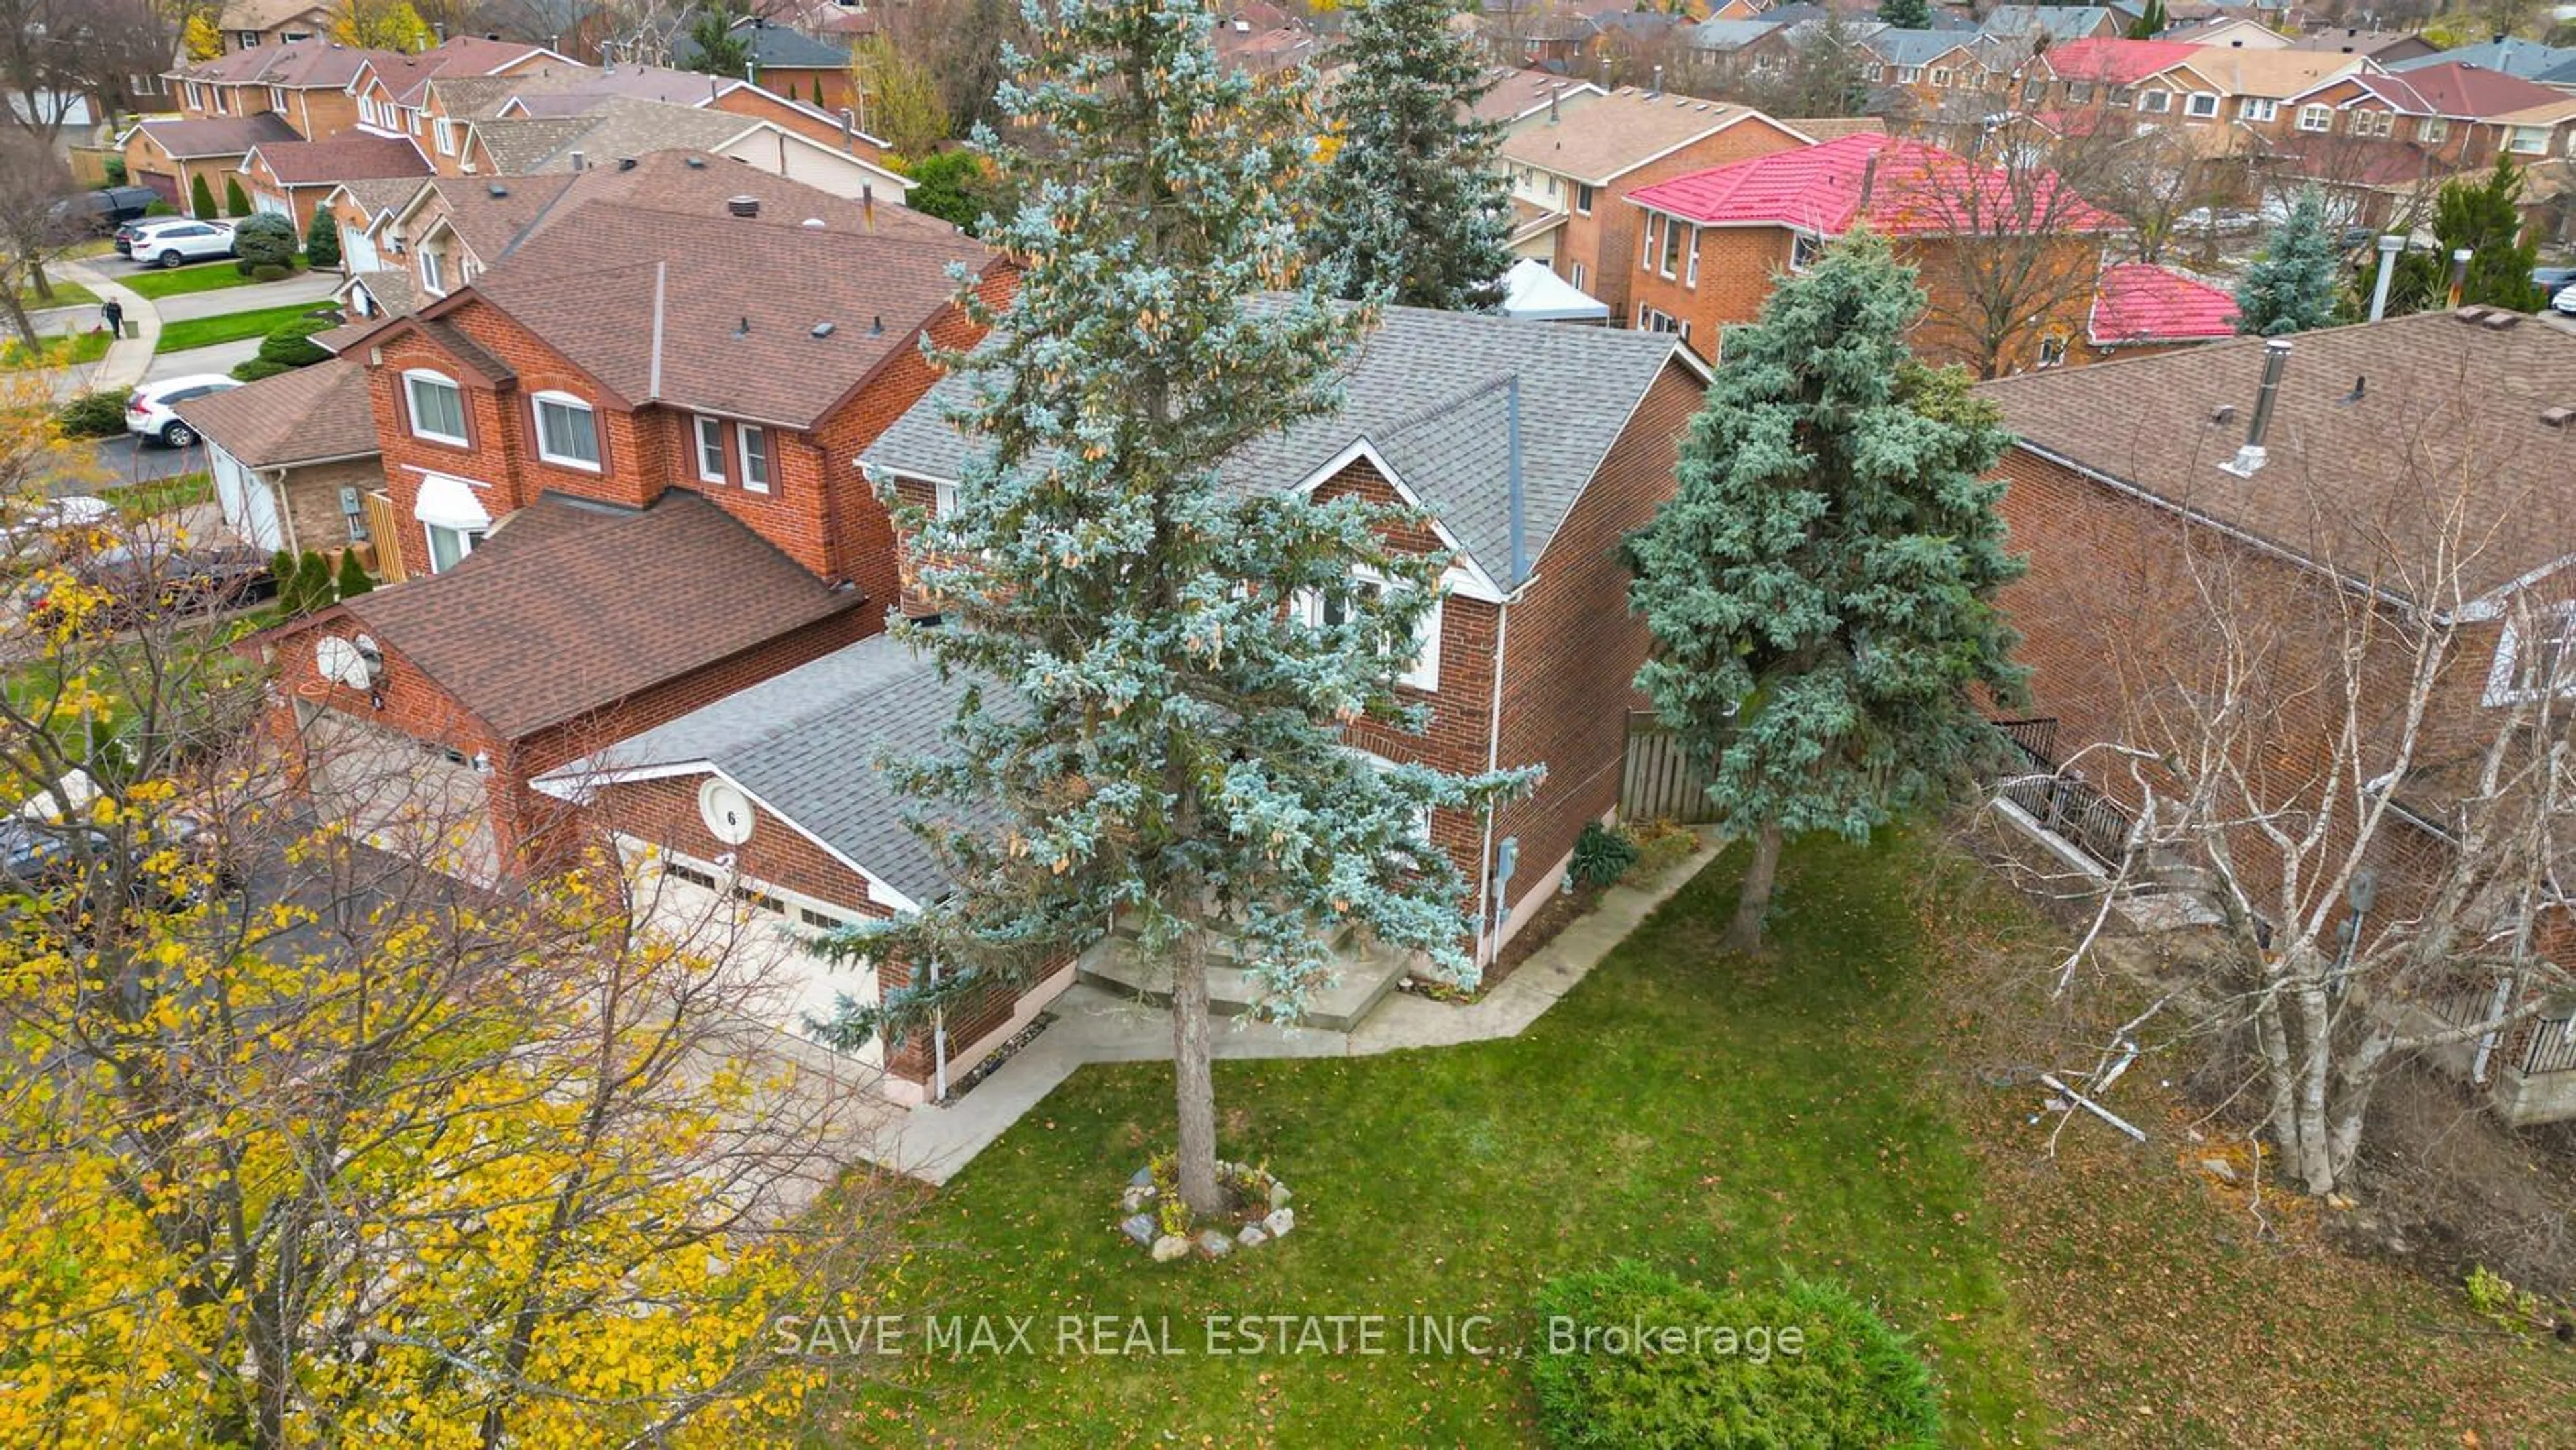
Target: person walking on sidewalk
(113,313)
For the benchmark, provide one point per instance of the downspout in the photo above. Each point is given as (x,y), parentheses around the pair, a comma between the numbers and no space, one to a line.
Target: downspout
(938,1044)
(276,481)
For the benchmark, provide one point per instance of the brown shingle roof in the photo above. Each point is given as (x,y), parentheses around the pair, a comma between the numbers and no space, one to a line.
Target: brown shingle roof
(1610,135)
(305,63)
(353,157)
(376,195)
(220,136)
(518,144)
(408,76)
(1834,128)
(589,607)
(2449,412)
(714,274)
(304,416)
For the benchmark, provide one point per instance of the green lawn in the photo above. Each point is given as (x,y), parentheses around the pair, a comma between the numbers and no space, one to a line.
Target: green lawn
(55,352)
(229,326)
(1723,1118)
(66,294)
(156,496)
(203,277)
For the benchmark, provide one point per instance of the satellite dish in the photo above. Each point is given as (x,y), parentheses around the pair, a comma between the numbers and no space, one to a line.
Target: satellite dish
(342,662)
(726,810)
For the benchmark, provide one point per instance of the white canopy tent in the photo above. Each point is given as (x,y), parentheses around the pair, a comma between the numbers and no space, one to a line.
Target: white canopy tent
(1533,293)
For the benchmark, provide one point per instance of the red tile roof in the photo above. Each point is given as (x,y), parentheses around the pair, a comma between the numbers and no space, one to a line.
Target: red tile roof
(2117,62)
(1913,189)
(2140,302)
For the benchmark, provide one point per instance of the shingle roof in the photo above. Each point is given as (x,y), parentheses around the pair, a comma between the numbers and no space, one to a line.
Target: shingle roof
(307,415)
(590,291)
(2512,56)
(221,136)
(261,14)
(380,194)
(2136,302)
(351,157)
(1834,128)
(1899,46)
(2270,74)
(2463,92)
(2065,22)
(1517,93)
(1428,391)
(1726,35)
(408,76)
(1611,135)
(517,145)
(303,63)
(1912,188)
(807,743)
(601,605)
(616,127)
(2448,405)
(770,45)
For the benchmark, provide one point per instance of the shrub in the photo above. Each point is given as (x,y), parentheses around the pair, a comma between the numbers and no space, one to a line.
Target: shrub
(354,578)
(953,186)
(322,240)
(270,272)
(257,368)
(1661,845)
(235,202)
(291,344)
(96,414)
(1850,1380)
(201,201)
(115,169)
(1601,855)
(160,208)
(264,241)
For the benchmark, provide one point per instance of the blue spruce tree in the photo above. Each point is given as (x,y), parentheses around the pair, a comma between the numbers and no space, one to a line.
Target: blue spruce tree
(2292,287)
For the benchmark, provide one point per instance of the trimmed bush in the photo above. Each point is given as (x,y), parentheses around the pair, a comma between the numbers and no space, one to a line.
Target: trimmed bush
(322,240)
(354,579)
(291,344)
(115,169)
(96,414)
(160,208)
(254,369)
(1601,855)
(201,201)
(270,272)
(1849,1380)
(236,202)
(265,240)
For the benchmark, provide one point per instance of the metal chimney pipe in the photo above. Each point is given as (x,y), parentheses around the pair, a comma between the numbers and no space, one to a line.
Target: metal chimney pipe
(2248,459)
(1658,91)
(2459,274)
(1555,112)
(2389,247)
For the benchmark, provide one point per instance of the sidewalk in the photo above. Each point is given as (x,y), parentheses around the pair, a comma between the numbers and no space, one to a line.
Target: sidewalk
(128,357)
(314,287)
(1092,1025)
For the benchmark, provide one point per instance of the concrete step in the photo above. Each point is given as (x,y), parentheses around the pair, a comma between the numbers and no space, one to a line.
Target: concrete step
(1362,977)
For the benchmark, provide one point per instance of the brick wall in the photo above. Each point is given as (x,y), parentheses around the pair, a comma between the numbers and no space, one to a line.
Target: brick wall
(1605,242)
(761,106)
(1737,266)
(312,496)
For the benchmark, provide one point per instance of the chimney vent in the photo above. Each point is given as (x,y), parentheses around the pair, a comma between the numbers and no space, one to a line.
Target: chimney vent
(2223,414)
(576,161)
(742,328)
(1659,82)
(2459,274)
(876,326)
(2250,458)
(823,329)
(2389,246)
(743,205)
(2557,417)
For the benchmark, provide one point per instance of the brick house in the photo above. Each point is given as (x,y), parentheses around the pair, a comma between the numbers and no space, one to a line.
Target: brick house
(392,91)
(1582,162)
(293,456)
(1529,656)
(293,178)
(2382,141)
(267,24)
(787,61)
(169,156)
(557,91)
(615,129)
(305,84)
(1710,244)
(2385,438)
(653,441)
(1933,77)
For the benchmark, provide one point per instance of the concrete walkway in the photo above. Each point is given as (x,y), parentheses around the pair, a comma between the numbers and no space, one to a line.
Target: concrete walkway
(219,358)
(128,357)
(314,287)
(1092,1025)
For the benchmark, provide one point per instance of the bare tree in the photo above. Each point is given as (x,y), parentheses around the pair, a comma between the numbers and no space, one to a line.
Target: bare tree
(2335,774)
(37,223)
(58,57)
(2010,250)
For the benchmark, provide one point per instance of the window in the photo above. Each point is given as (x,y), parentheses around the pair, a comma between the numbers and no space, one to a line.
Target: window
(448,546)
(1690,269)
(1555,186)
(1804,250)
(943,500)
(711,457)
(1646,257)
(2316,118)
(2433,130)
(2155,102)
(1909,74)
(249,39)
(277,98)
(2252,110)
(760,900)
(430,279)
(2545,661)
(446,134)
(2529,141)
(1672,246)
(1886,73)
(567,431)
(1583,198)
(2203,105)
(293,36)
(2033,92)
(824,920)
(690,874)
(2052,350)
(751,445)
(2123,96)
(2372,123)
(2079,91)
(437,407)
(1655,319)
(1941,76)
(1422,670)
(1577,278)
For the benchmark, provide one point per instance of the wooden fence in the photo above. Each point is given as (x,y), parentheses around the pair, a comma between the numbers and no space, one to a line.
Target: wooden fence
(381,533)
(1660,780)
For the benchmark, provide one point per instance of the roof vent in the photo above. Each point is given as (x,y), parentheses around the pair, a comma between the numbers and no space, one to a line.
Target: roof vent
(876,325)
(497,189)
(823,329)
(2557,417)
(576,161)
(2223,414)
(743,205)
(2250,458)
(625,163)
(817,223)
(2498,319)
(742,328)
(695,163)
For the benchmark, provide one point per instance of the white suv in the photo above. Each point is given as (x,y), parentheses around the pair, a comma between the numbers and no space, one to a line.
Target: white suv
(169,243)
(151,412)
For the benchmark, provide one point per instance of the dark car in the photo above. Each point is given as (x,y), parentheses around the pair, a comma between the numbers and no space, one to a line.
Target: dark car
(106,209)
(2553,280)
(38,857)
(143,582)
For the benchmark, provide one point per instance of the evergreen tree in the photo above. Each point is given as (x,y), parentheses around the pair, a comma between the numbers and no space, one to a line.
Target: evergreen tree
(1414,207)
(236,202)
(2151,21)
(313,584)
(2292,286)
(1159,731)
(1820,591)
(715,47)
(201,198)
(1906,14)
(2485,216)
(322,240)
(354,578)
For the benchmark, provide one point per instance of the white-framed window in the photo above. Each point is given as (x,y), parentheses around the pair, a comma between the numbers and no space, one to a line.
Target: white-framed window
(2433,130)
(1421,670)
(567,430)
(1576,275)
(2201,105)
(1646,250)
(711,452)
(2155,102)
(751,450)
(1672,246)
(2545,660)
(2373,123)
(2528,141)
(1941,76)
(2315,117)
(2079,92)
(1655,319)
(1909,74)
(943,500)
(419,120)
(431,281)
(437,406)
(293,36)
(2052,350)
(1805,250)
(446,134)
(277,98)
(1690,268)
(2258,110)
(448,546)
(1886,73)
(1583,194)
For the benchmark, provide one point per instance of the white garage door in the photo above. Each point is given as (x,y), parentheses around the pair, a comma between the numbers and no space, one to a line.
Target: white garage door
(358,250)
(250,509)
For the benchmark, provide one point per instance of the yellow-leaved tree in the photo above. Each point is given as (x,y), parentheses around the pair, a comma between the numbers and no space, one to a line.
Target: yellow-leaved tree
(381,25)
(305,1141)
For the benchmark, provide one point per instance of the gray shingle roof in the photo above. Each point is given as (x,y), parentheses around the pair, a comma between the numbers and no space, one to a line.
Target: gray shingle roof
(807,743)
(1428,391)
(769,45)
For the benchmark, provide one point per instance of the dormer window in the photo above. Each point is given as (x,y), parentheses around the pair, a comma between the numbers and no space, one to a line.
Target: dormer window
(437,407)
(567,431)
(751,450)
(2535,656)
(711,448)
(432,278)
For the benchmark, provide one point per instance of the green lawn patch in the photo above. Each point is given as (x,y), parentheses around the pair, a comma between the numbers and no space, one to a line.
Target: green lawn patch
(54,352)
(204,277)
(66,294)
(1733,1122)
(229,327)
(155,496)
